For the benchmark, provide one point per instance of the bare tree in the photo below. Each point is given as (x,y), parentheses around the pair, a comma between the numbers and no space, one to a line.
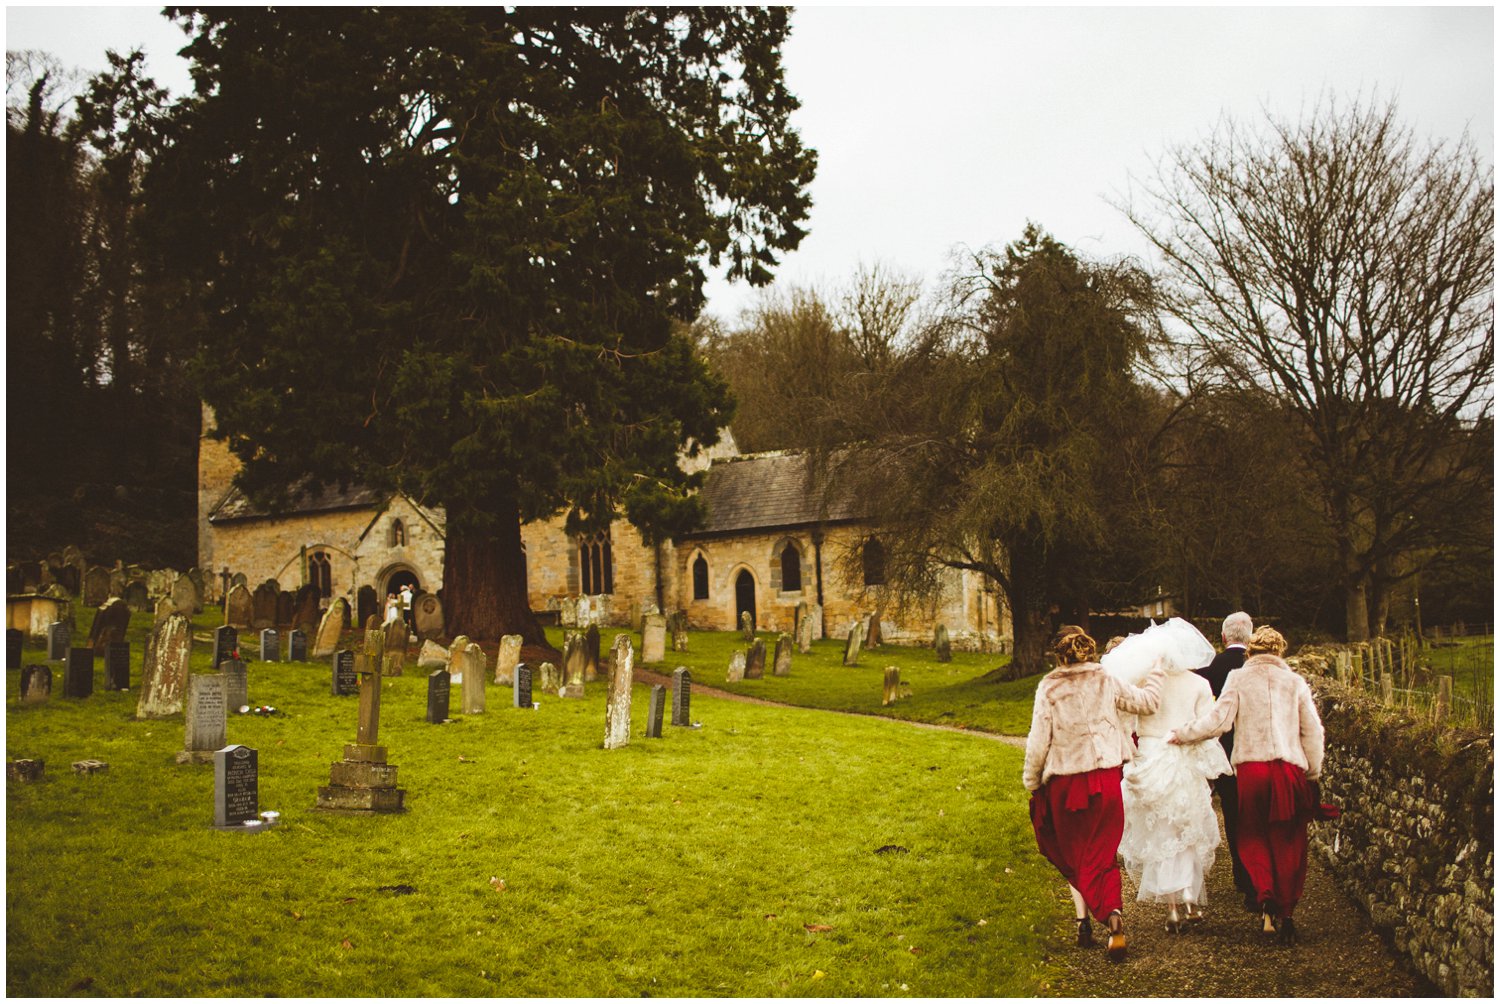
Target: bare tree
(1343,267)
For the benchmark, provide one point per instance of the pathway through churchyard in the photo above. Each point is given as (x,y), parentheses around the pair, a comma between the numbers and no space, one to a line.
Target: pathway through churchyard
(1340,955)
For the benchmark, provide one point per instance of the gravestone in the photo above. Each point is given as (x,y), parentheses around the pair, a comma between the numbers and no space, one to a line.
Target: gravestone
(239,609)
(941,645)
(472,661)
(736,671)
(263,605)
(755,660)
(572,685)
(330,628)
(185,598)
(239,579)
(345,680)
(63,605)
(872,631)
(164,668)
(203,718)
(653,638)
(59,640)
(36,684)
(799,614)
(851,647)
(428,616)
(439,693)
(506,658)
(677,626)
(15,638)
(654,714)
(78,675)
(270,645)
(110,624)
(236,684)
(549,679)
(520,687)
(432,656)
(456,658)
(567,612)
(296,646)
(367,604)
(682,695)
(364,781)
(305,610)
(236,786)
(617,706)
(95,586)
(575,658)
(25,770)
(783,662)
(137,596)
(164,608)
(892,691)
(814,621)
(226,644)
(117,666)
(286,608)
(397,639)
(747,626)
(370,656)
(591,653)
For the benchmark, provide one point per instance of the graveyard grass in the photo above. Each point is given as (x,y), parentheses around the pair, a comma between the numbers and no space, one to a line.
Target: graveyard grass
(773,851)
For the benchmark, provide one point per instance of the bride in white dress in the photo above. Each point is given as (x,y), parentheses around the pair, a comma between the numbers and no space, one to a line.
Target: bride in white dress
(1170,827)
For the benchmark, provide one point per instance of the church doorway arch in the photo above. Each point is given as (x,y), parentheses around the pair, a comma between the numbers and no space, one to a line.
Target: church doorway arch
(744,597)
(398,576)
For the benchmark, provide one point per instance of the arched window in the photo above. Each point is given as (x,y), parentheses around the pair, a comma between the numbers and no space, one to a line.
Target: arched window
(873,559)
(791,569)
(320,573)
(398,533)
(596,573)
(700,578)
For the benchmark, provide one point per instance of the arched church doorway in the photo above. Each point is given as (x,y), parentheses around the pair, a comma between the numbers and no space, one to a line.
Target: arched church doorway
(744,598)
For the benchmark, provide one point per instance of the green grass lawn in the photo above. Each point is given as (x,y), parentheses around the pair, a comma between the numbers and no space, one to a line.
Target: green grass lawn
(736,859)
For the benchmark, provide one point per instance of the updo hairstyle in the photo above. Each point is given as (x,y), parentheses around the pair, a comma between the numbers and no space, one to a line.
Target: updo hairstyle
(1071,646)
(1266,640)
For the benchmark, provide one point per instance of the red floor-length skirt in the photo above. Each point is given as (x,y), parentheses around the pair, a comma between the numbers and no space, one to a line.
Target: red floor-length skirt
(1078,820)
(1273,830)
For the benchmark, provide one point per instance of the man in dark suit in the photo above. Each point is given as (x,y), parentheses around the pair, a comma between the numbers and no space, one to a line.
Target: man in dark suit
(1236,632)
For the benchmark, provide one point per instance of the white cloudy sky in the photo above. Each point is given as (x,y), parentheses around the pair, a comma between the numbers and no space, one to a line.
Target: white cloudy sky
(944,127)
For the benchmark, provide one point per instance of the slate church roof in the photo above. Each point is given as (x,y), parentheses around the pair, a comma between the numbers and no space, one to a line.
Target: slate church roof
(768,491)
(237,506)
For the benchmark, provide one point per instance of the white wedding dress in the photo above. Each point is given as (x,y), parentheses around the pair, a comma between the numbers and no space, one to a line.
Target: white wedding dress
(1171,832)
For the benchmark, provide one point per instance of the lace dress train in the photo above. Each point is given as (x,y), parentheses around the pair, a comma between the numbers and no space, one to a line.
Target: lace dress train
(1171,831)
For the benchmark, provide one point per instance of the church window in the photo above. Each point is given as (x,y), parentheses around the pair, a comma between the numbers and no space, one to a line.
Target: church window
(700,578)
(595,564)
(873,559)
(791,569)
(320,573)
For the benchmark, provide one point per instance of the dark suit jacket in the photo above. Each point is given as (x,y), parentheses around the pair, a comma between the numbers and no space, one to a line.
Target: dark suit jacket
(1216,673)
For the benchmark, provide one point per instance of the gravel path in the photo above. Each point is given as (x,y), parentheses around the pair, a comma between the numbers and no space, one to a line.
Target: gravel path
(1340,955)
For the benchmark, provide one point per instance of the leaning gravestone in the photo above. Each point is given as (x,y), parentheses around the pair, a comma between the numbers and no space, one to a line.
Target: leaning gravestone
(851,647)
(747,626)
(682,695)
(345,680)
(330,628)
(591,653)
(36,684)
(164,608)
(892,691)
(203,718)
(296,646)
(427,616)
(653,638)
(270,645)
(263,605)
(755,660)
(471,661)
(59,640)
(941,645)
(439,693)
(236,786)
(226,644)
(397,639)
(654,713)
(506,658)
(617,706)
(164,669)
(95,586)
(783,661)
(239,608)
(78,676)
(14,640)
(117,666)
(520,686)
(432,656)
(137,596)
(736,671)
(236,684)
(185,598)
(110,623)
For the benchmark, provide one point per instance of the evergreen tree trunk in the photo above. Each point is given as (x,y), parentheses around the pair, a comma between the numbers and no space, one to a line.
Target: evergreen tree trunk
(1356,612)
(484,586)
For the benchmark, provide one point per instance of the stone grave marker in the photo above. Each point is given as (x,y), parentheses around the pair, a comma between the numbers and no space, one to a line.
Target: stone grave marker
(456,658)
(799,614)
(270,645)
(286,608)
(439,693)
(59,640)
(653,638)
(117,666)
(137,596)
(572,686)
(506,657)
(872,631)
(813,629)
(296,646)
(617,706)
(330,628)
(345,680)
(239,579)
(892,691)
(110,623)
(783,661)
(428,616)
(63,607)
(591,653)
(363,781)
(370,657)
(185,597)
(306,606)
(236,684)
(239,609)
(164,608)
(263,605)
(521,686)
(575,657)
(747,626)
(550,679)
(755,660)
(203,718)
(736,671)
(851,647)
(432,656)
(682,695)
(226,644)
(397,639)
(941,645)
(654,714)
(95,586)
(25,770)
(567,612)
(236,786)
(677,625)
(78,675)
(164,668)
(15,638)
(36,684)
(473,670)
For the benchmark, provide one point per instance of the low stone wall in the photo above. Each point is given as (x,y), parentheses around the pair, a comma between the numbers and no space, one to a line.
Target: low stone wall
(1415,844)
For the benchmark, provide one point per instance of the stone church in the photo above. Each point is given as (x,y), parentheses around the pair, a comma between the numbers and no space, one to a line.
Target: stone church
(764,548)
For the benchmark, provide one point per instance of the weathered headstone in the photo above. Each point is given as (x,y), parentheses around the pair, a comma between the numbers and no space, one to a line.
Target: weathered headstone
(239,609)
(286,608)
(203,718)
(236,786)
(892,691)
(363,781)
(617,706)
(185,596)
(397,640)
(63,606)
(78,676)
(506,657)
(473,670)
(95,586)
(226,644)
(851,647)
(549,679)
(736,671)
(682,695)
(575,657)
(345,680)
(521,686)
(755,660)
(164,608)
(164,669)
(306,604)
(263,605)
(653,638)
(872,630)
(591,653)
(428,614)
(814,623)
(330,628)
(654,714)
(677,626)
(239,579)
(432,656)
(137,595)
(36,684)
(567,612)
(110,623)
(117,666)
(941,645)
(15,638)
(439,694)
(747,626)
(783,661)
(572,685)
(296,646)
(236,683)
(59,640)
(270,645)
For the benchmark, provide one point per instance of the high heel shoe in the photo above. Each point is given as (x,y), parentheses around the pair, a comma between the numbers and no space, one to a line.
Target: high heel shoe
(1116,949)
(1193,913)
(1085,933)
(1267,917)
(1174,922)
(1287,934)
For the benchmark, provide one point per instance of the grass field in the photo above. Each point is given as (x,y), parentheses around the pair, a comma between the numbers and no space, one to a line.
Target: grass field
(742,858)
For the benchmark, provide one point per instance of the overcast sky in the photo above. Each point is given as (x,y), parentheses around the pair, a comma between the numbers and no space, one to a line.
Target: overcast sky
(946,127)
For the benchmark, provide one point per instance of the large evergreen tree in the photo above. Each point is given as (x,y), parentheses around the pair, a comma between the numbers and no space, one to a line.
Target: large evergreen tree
(445,251)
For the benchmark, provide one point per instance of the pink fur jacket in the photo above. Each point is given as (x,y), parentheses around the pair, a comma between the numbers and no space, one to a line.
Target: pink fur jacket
(1272,713)
(1076,725)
